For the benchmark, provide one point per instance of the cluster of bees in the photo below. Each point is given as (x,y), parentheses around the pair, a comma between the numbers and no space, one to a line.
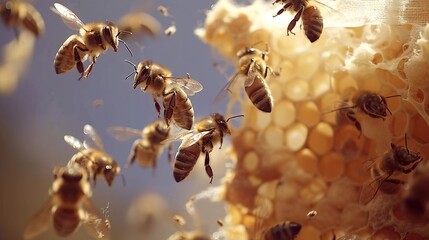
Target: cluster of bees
(69,203)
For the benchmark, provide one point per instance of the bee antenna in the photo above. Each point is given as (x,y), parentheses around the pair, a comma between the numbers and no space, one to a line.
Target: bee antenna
(135,68)
(126,45)
(397,95)
(241,115)
(338,109)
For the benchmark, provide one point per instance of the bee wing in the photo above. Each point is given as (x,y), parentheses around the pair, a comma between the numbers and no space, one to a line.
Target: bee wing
(93,136)
(178,137)
(193,138)
(124,133)
(189,85)
(227,88)
(69,18)
(369,190)
(251,74)
(74,142)
(40,221)
(97,227)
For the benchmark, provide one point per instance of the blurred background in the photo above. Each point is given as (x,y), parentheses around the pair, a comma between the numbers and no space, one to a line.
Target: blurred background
(46,106)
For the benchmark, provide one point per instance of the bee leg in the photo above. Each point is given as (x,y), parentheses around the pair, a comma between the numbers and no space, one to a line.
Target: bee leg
(168,110)
(133,156)
(282,9)
(157,106)
(293,22)
(221,139)
(209,170)
(79,64)
(89,68)
(351,116)
(406,171)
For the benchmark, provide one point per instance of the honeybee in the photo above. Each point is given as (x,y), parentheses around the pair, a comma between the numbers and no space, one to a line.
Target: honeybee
(92,157)
(417,196)
(283,231)
(146,149)
(95,38)
(139,23)
(371,104)
(399,159)
(253,68)
(189,235)
(69,205)
(311,17)
(206,133)
(174,91)
(21,14)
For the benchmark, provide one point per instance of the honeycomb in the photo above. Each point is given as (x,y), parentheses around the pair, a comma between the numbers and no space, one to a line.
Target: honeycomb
(302,156)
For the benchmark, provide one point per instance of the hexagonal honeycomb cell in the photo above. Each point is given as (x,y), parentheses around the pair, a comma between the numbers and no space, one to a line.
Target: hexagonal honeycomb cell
(303,156)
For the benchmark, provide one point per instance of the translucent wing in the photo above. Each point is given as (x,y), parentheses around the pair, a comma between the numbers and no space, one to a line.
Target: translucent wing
(40,221)
(178,137)
(251,74)
(227,88)
(69,18)
(189,85)
(369,190)
(74,142)
(193,138)
(124,133)
(97,227)
(90,132)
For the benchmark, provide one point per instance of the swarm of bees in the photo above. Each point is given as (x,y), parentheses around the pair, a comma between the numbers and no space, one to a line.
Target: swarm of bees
(69,204)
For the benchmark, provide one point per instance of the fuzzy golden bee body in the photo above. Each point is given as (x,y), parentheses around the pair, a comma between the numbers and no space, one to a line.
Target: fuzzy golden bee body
(398,160)
(173,91)
(93,159)
(311,17)
(95,38)
(22,14)
(253,68)
(69,206)
(206,133)
(148,147)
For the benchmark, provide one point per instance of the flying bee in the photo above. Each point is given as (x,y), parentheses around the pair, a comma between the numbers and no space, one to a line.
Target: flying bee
(206,133)
(283,231)
(253,68)
(148,147)
(22,14)
(95,38)
(174,92)
(311,17)
(92,157)
(69,205)
(399,159)
(371,104)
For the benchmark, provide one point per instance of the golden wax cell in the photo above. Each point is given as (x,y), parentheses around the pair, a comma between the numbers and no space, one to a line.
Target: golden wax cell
(284,113)
(320,84)
(331,166)
(398,123)
(250,161)
(348,141)
(307,161)
(320,138)
(305,60)
(273,136)
(296,90)
(419,129)
(308,113)
(286,71)
(388,76)
(296,136)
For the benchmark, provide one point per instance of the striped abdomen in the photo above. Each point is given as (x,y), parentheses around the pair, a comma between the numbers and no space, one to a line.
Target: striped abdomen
(66,220)
(185,161)
(313,23)
(183,112)
(260,95)
(64,59)
(283,231)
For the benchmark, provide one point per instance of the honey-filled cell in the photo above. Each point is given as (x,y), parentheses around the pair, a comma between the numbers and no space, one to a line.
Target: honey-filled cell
(320,139)
(419,129)
(245,140)
(273,137)
(320,84)
(296,90)
(296,136)
(284,113)
(308,113)
(331,166)
(307,161)
(250,161)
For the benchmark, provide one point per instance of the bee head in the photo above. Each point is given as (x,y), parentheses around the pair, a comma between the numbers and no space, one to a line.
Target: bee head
(110,34)
(110,171)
